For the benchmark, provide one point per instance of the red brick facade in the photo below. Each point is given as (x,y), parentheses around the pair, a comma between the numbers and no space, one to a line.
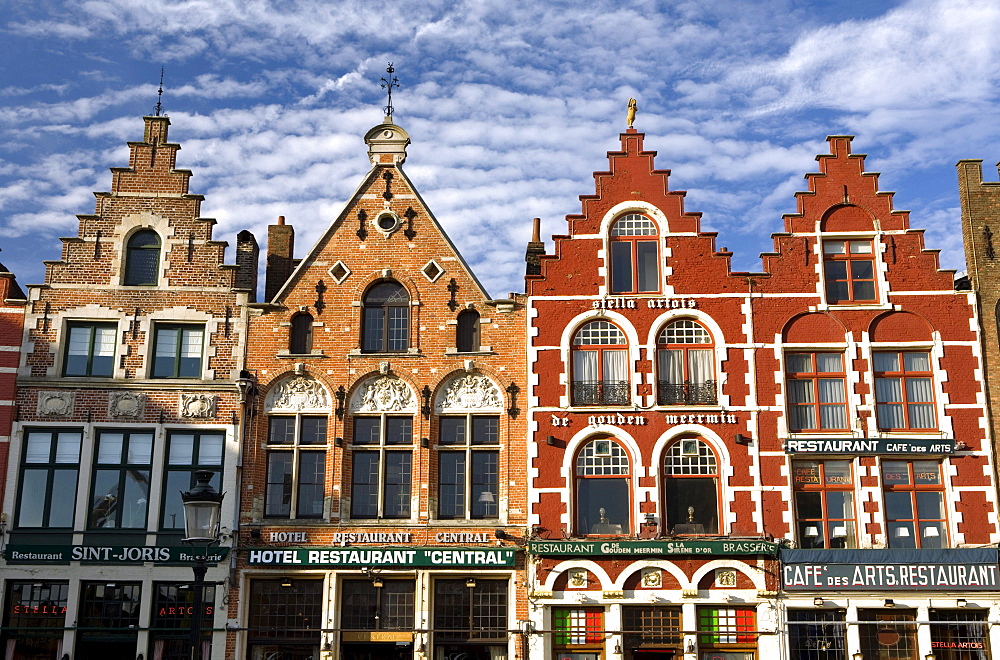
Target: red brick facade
(806,405)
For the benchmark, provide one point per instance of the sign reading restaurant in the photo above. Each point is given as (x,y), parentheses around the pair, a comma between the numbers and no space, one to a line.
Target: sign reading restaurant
(645,548)
(388,556)
(869,446)
(108,554)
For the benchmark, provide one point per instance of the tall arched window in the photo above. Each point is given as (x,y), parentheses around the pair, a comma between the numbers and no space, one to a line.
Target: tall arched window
(386,322)
(684,361)
(603,490)
(600,365)
(142,258)
(300,338)
(467,331)
(691,488)
(635,260)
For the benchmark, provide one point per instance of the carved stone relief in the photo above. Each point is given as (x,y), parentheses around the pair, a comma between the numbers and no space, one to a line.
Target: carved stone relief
(470,392)
(126,404)
(56,404)
(299,393)
(725,577)
(652,578)
(384,394)
(198,405)
(577,578)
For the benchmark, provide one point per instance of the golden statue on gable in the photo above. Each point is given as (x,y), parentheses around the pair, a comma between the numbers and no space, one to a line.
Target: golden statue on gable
(631,111)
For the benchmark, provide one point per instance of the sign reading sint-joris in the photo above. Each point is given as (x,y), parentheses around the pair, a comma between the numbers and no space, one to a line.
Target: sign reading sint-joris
(109,554)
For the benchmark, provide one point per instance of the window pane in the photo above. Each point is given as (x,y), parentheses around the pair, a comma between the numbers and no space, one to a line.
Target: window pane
(926,473)
(364,487)
(397,484)
(166,352)
(281,431)
(829,362)
(452,431)
(366,430)
(692,505)
(861,247)
(886,361)
(399,323)
(33,491)
(68,447)
(177,481)
(38,448)
(864,290)
(837,472)
(62,505)
(190,360)
(898,506)
(798,363)
(78,351)
(313,431)
(210,448)
(648,268)
(485,477)
(136,499)
(930,506)
(110,447)
(862,270)
(602,506)
(809,505)
(398,430)
(895,473)
(140,448)
(485,430)
(312,481)
(105,502)
(451,484)
(374,325)
(181,449)
(834,247)
(278,498)
(621,266)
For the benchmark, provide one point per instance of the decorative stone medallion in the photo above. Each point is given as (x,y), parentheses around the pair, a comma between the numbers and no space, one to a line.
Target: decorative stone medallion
(384,394)
(577,578)
(652,578)
(56,404)
(126,404)
(299,393)
(200,406)
(725,577)
(470,392)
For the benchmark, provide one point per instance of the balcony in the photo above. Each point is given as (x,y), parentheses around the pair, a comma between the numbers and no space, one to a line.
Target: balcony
(686,393)
(601,393)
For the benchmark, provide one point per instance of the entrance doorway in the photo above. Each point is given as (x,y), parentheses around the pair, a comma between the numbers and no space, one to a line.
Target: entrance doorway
(376,651)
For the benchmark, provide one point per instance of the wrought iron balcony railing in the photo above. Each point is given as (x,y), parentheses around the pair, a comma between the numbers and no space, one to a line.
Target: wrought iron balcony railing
(686,393)
(601,392)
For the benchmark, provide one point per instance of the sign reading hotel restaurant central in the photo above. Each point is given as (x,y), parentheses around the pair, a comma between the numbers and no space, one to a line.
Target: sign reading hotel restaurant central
(871,446)
(749,547)
(407,556)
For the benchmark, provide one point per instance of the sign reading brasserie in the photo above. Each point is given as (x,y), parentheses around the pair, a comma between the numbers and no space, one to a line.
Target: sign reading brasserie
(108,554)
(870,446)
(964,569)
(428,556)
(665,548)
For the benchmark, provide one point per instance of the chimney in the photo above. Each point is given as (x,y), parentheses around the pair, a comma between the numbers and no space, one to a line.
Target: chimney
(280,246)
(536,248)
(247,255)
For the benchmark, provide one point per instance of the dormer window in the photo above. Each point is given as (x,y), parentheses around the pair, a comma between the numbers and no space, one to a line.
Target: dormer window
(300,339)
(386,322)
(142,259)
(849,268)
(634,255)
(467,331)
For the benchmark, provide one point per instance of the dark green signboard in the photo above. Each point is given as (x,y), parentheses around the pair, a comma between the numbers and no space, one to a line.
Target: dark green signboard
(869,446)
(382,556)
(108,554)
(653,548)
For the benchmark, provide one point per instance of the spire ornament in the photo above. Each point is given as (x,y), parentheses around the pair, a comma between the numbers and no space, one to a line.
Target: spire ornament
(158,110)
(631,112)
(388,84)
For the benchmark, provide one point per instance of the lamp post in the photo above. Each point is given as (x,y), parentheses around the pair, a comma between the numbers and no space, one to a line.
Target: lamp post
(202,505)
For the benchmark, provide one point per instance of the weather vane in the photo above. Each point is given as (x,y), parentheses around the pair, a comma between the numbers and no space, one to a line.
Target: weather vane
(388,84)
(159,96)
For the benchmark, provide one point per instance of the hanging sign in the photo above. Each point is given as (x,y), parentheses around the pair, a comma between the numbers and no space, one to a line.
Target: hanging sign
(109,554)
(869,446)
(645,548)
(387,556)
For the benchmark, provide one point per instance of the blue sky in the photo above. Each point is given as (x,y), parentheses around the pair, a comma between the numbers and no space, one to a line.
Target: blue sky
(510,105)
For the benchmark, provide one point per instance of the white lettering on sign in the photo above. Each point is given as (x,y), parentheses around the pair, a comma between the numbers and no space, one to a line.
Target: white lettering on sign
(704,418)
(372,537)
(617,420)
(560,421)
(461,537)
(652,303)
(289,537)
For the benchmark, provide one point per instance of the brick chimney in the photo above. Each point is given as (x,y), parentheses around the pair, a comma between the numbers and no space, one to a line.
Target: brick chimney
(247,256)
(280,246)
(536,248)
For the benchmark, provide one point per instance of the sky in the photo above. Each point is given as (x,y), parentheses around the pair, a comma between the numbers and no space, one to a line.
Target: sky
(511,106)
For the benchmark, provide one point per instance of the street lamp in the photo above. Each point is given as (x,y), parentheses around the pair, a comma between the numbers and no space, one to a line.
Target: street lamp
(202,505)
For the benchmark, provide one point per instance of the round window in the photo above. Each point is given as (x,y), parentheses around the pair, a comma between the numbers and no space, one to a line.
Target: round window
(387,222)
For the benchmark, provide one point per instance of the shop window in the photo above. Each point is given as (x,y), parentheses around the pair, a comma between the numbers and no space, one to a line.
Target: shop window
(904,390)
(178,350)
(914,504)
(188,451)
(50,465)
(108,622)
(90,350)
(600,365)
(888,635)
(467,332)
(468,467)
(849,268)
(285,618)
(817,635)
(296,466)
(816,395)
(377,604)
(603,489)
(171,620)
(380,476)
(691,487)
(824,504)
(728,630)
(120,492)
(635,266)
(34,617)
(142,259)
(578,628)
(685,361)
(960,635)
(300,337)
(385,326)
(652,627)
(471,609)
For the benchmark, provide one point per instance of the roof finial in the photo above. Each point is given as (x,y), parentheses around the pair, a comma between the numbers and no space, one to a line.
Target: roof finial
(388,84)
(631,112)
(159,96)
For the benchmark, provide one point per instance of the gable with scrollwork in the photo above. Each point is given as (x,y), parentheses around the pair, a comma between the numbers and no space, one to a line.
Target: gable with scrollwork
(298,394)
(384,394)
(469,392)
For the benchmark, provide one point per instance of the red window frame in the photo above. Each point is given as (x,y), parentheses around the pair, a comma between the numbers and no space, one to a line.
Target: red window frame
(634,241)
(602,472)
(812,477)
(915,477)
(602,391)
(904,377)
(855,275)
(815,376)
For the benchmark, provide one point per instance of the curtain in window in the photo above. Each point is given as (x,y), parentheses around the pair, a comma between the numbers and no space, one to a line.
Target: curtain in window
(889,394)
(802,416)
(920,398)
(831,391)
(672,367)
(584,366)
(699,365)
(615,366)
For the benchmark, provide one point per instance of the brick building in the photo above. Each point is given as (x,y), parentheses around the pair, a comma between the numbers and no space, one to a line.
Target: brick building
(791,463)
(12,304)
(383,496)
(127,385)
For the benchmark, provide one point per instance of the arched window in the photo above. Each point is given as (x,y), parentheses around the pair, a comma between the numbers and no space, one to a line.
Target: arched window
(691,488)
(142,258)
(467,331)
(635,266)
(300,339)
(386,322)
(684,361)
(600,365)
(603,490)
